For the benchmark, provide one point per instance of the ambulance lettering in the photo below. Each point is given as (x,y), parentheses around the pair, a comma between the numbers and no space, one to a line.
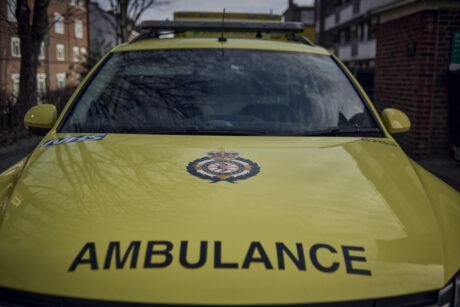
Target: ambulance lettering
(161,254)
(74,139)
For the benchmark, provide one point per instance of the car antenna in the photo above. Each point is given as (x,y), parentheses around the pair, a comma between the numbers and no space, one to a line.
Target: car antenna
(222,38)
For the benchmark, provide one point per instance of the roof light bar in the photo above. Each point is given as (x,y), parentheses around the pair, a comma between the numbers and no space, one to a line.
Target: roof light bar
(217,26)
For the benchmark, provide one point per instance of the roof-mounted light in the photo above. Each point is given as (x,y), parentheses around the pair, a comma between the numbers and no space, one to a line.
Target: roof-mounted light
(158,26)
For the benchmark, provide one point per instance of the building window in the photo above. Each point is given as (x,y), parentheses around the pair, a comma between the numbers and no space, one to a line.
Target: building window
(76,55)
(78,29)
(83,54)
(15,47)
(60,80)
(58,23)
(60,52)
(345,36)
(307,17)
(371,32)
(41,56)
(11,10)
(41,88)
(356,6)
(354,32)
(365,31)
(15,86)
(81,4)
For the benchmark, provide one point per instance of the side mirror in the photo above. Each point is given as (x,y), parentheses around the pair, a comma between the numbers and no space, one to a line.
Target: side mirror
(41,118)
(395,121)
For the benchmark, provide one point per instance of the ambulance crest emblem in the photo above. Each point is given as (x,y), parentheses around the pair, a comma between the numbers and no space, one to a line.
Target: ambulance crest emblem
(223,166)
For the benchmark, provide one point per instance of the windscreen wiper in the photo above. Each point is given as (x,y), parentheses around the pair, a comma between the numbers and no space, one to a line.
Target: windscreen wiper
(350,131)
(201,131)
(194,130)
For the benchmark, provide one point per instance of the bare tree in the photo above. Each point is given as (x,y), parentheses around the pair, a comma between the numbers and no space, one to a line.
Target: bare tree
(126,15)
(32,28)
(31,25)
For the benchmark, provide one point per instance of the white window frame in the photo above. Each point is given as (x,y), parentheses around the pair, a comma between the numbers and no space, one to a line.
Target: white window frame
(83,55)
(41,86)
(78,28)
(15,78)
(11,10)
(60,80)
(81,4)
(76,54)
(41,55)
(15,43)
(60,50)
(58,23)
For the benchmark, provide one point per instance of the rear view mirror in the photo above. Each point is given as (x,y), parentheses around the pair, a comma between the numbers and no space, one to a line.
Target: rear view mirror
(41,118)
(395,121)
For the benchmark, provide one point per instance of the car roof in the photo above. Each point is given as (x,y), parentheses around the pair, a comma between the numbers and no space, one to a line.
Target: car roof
(231,43)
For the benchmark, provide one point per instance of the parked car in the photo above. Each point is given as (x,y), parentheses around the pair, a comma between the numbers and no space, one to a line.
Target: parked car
(224,171)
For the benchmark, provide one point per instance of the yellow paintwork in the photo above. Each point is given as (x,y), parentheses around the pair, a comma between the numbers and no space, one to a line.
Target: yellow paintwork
(236,43)
(217,16)
(340,191)
(309,32)
(395,121)
(41,116)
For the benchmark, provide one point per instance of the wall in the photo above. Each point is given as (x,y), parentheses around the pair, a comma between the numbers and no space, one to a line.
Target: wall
(69,40)
(411,69)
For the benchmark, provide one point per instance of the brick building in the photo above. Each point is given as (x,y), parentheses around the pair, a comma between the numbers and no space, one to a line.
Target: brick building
(63,51)
(412,71)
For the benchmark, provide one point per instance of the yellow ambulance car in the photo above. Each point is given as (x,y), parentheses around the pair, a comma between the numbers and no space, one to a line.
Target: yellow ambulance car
(224,171)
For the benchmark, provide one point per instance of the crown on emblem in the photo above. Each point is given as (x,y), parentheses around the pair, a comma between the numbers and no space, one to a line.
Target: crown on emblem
(223,155)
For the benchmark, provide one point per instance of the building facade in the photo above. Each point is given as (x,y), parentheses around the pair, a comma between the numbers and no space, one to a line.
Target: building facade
(347,28)
(400,52)
(63,52)
(414,72)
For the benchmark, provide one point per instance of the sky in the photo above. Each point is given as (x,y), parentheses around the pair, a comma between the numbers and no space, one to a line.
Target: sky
(161,12)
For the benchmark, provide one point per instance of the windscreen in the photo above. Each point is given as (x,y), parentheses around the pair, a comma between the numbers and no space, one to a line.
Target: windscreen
(217,91)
